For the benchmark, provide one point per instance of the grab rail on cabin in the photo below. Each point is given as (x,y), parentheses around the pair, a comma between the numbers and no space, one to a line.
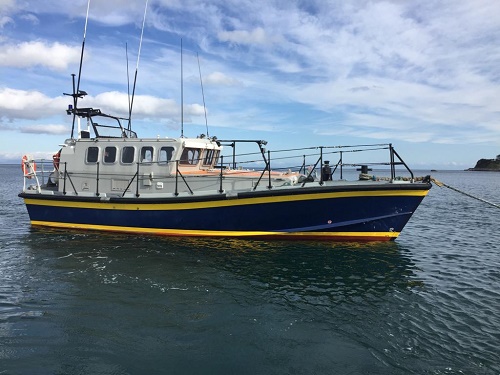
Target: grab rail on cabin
(91,113)
(136,175)
(124,133)
(97,180)
(178,172)
(66,174)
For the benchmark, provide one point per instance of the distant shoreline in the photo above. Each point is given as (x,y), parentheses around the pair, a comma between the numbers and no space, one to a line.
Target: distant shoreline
(482,170)
(487,165)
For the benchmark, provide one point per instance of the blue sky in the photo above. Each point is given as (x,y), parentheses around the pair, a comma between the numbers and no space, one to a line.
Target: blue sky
(422,75)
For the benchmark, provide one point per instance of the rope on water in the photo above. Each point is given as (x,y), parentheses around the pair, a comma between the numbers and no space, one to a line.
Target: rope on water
(364,176)
(441,184)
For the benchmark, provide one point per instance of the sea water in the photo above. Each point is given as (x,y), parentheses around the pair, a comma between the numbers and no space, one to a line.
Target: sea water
(92,303)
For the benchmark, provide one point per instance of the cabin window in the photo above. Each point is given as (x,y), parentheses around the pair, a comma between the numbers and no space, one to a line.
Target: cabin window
(128,155)
(190,156)
(92,154)
(147,154)
(110,154)
(210,157)
(166,153)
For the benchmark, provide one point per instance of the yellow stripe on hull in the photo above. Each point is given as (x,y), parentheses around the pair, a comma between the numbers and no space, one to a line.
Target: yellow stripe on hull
(221,203)
(208,233)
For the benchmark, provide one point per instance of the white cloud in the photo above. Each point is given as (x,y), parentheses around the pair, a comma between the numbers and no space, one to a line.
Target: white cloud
(45,129)
(33,105)
(31,18)
(4,20)
(256,36)
(55,56)
(110,12)
(20,104)
(7,5)
(218,78)
(144,106)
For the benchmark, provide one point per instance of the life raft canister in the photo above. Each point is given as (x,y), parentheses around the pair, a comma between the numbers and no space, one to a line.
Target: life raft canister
(56,159)
(26,165)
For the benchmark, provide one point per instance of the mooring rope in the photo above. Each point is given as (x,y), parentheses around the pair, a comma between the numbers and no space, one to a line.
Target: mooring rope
(365,176)
(441,184)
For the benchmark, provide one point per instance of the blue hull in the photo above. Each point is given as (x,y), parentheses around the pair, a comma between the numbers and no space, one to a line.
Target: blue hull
(367,213)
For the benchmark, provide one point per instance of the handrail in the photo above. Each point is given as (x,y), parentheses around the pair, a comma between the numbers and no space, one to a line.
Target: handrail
(312,154)
(304,167)
(97,181)
(393,152)
(323,151)
(130,183)
(66,174)
(137,184)
(221,190)
(321,163)
(266,168)
(310,172)
(339,163)
(30,165)
(177,171)
(270,186)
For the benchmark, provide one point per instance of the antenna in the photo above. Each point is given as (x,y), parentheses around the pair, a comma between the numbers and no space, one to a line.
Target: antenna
(128,78)
(77,93)
(182,97)
(202,93)
(136,69)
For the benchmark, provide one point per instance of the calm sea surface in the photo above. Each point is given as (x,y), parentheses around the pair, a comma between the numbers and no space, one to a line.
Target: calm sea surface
(90,303)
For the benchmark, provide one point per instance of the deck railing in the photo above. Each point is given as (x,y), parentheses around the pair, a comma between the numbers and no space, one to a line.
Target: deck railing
(316,158)
(307,161)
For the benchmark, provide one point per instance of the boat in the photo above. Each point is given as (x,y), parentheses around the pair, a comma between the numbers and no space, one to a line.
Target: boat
(106,178)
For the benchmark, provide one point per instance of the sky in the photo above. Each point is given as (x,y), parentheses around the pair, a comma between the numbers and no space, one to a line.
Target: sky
(422,75)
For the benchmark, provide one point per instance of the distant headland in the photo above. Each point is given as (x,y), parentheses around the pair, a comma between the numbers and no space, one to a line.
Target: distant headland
(487,165)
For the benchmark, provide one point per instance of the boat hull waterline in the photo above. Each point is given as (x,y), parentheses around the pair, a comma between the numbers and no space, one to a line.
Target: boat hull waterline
(367,213)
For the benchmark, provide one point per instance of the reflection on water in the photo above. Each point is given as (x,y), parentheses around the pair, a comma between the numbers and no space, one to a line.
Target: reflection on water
(315,273)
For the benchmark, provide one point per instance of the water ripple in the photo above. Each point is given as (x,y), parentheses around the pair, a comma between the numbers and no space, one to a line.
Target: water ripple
(84,302)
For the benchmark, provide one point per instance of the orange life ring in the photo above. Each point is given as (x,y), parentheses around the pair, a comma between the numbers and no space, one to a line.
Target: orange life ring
(56,158)
(25,166)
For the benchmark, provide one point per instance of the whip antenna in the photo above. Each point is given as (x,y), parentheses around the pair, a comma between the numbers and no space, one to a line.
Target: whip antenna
(76,93)
(182,97)
(202,93)
(128,77)
(136,69)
